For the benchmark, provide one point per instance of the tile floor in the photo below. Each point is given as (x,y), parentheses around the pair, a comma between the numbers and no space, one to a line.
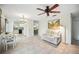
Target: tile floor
(35,45)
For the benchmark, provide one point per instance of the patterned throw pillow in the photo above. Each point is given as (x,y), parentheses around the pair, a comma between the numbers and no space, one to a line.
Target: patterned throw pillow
(53,32)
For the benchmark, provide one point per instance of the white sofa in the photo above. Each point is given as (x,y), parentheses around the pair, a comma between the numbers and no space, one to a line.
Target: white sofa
(52,36)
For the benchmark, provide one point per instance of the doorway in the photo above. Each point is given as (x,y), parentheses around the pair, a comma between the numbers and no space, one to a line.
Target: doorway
(35,28)
(18,27)
(75,28)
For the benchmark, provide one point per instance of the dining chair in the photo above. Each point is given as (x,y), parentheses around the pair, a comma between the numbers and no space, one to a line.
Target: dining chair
(7,40)
(2,39)
(10,41)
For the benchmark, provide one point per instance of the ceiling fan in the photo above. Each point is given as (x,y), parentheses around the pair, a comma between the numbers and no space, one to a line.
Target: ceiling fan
(49,10)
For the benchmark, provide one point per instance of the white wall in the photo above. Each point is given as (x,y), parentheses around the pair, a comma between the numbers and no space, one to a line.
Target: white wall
(30,23)
(43,26)
(66,11)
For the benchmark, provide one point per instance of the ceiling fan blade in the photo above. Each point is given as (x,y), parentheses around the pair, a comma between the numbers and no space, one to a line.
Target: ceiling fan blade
(40,9)
(53,7)
(54,11)
(41,13)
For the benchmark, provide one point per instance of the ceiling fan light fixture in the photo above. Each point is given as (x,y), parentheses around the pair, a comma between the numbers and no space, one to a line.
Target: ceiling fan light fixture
(49,10)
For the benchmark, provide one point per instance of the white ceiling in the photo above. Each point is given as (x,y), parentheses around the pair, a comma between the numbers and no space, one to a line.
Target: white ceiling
(15,11)
(29,10)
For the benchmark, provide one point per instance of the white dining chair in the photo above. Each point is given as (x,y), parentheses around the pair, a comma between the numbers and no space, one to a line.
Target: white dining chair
(3,38)
(10,41)
(7,40)
(0,44)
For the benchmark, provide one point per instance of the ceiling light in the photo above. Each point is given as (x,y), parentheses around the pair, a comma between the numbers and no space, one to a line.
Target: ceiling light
(20,15)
